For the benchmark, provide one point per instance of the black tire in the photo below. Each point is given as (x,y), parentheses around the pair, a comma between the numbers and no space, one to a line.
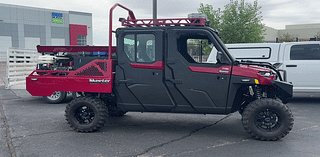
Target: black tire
(267,119)
(116,113)
(86,114)
(56,98)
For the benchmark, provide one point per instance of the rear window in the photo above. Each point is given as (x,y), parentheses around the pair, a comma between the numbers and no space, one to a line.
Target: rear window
(251,52)
(305,52)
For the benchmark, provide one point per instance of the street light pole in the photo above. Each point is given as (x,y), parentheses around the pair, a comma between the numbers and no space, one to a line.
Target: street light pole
(154,9)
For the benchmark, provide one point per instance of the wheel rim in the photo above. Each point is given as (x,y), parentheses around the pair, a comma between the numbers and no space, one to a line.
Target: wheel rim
(78,95)
(84,114)
(55,96)
(267,120)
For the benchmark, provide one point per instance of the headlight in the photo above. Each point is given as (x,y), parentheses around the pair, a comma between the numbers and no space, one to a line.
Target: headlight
(265,73)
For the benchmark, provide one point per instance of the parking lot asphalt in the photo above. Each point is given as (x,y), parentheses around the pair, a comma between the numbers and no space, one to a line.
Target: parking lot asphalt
(30,127)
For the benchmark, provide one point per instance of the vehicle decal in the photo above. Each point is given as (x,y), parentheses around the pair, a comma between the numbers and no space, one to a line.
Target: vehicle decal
(224,70)
(157,65)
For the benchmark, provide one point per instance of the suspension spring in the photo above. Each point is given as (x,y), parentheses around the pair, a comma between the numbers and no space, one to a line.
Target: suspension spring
(258,92)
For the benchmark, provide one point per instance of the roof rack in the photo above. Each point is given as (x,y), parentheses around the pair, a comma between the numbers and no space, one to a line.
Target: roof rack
(165,22)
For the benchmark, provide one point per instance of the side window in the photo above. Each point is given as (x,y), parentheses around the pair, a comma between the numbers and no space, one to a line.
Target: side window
(305,52)
(250,52)
(199,49)
(195,48)
(140,47)
(129,47)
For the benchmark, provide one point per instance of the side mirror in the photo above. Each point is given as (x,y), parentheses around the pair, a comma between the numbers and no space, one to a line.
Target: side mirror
(221,58)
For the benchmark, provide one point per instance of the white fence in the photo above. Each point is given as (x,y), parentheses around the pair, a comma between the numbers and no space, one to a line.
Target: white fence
(20,63)
(3,56)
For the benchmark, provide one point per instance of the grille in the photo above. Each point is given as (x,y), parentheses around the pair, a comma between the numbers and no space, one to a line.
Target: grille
(102,65)
(91,71)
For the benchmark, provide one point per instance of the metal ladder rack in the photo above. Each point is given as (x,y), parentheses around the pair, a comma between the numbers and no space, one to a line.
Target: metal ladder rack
(164,22)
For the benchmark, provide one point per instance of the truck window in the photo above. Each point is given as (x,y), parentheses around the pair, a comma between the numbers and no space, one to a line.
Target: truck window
(251,52)
(305,52)
(140,47)
(195,48)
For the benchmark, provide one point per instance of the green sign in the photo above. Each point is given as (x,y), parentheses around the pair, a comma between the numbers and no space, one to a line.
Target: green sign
(57,20)
(57,17)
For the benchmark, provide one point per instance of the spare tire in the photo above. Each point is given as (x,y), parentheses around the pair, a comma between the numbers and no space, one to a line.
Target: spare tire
(56,98)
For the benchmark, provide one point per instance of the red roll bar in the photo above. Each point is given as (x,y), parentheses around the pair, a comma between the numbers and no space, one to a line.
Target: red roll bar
(131,17)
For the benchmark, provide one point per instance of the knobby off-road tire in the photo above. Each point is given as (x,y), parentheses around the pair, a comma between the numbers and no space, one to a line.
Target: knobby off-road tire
(86,114)
(267,119)
(56,98)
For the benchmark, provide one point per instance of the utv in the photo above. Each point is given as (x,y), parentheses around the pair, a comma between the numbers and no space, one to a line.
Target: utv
(154,68)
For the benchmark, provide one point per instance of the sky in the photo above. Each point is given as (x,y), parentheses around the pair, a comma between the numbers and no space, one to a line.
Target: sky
(276,13)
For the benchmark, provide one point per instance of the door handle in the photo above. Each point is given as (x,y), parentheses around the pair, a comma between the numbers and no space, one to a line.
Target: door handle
(291,65)
(173,80)
(223,71)
(154,73)
(128,82)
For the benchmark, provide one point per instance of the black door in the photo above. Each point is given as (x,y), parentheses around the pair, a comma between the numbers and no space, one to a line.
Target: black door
(140,71)
(195,83)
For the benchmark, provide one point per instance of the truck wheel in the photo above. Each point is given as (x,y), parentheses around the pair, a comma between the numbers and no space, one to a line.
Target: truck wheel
(86,114)
(56,98)
(267,119)
(116,113)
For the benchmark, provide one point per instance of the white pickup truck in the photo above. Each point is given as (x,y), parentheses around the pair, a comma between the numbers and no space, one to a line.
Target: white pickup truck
(300,60)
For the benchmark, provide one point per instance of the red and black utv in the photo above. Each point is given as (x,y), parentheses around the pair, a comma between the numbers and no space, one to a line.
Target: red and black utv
(154,68)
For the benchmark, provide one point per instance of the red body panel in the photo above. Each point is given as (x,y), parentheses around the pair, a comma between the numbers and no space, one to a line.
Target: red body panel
(241,70)
(96,76)
(252,72)
(49,49)
(224,70)
(157,65)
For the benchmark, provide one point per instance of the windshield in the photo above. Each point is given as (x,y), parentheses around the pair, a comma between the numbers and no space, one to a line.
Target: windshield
(216,34)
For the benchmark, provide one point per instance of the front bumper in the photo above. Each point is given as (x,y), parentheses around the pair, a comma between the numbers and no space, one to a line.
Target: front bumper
(285,90)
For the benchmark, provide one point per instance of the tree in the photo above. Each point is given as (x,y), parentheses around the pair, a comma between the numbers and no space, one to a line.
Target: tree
(214,16)
(287,38)
(240,22)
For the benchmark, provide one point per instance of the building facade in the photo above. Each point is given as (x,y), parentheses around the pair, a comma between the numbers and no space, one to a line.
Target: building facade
(301,32)
(26,27)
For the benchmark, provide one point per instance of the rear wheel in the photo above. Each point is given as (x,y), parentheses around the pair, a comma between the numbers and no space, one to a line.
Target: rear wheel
(267,119)
(86,114)
(56,97)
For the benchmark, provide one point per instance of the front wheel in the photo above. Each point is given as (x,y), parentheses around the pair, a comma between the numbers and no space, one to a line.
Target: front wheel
(56,98)
(86,114)
(267,119)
